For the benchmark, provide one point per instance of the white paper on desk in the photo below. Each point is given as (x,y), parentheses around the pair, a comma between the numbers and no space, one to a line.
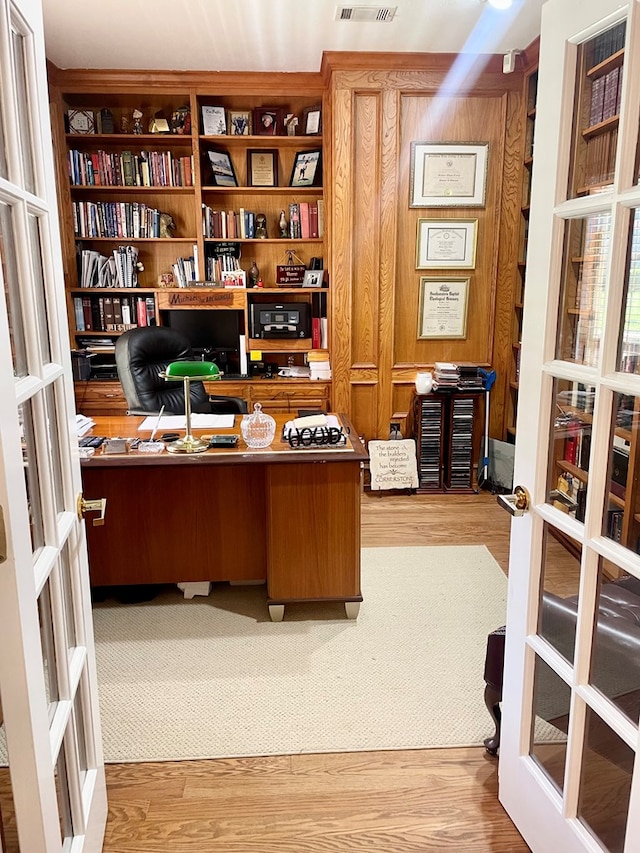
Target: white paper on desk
(198,421)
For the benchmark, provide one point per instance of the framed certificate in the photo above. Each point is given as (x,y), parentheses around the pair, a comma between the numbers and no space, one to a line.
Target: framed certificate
(262,167)
(443,308)
(448,174)
(446,244)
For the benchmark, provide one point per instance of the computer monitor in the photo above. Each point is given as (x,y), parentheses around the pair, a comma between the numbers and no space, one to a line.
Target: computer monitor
(211,333)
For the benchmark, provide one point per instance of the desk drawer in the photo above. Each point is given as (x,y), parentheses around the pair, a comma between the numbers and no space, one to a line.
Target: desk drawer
(100,398)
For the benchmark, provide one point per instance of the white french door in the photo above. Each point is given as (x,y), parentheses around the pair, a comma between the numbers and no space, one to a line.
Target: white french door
(569,774)
(48,690)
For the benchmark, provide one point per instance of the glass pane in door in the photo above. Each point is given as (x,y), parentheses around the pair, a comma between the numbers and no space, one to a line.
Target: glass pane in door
(570,446)
(560,584)
(12,290)
(32,479)
(629,348)
(605,784)
(615,664)
(53,440)
(621,520)
(62,791)
(551,700)
(3,151)
(38,280)
(20,59)
(584,276)
(596,112)
(45,616)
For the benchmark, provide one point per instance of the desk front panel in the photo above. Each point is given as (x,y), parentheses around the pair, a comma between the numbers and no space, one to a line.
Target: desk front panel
(174,523)
(313,530)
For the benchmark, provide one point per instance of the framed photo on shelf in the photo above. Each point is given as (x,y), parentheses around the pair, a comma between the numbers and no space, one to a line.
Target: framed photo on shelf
(313,278)
(222,171)
(442,311)
(312,121)
(214,122)
(81,121)
(262,167)
(267,121)
(307,169)
(448,174)
(239,123)
(446,244)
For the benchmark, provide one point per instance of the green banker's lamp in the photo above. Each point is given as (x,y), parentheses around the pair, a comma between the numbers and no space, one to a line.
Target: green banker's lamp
(188,372)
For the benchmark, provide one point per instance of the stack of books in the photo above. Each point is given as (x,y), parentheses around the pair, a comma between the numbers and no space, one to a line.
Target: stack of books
(446,375)
(318,361)
(469,377)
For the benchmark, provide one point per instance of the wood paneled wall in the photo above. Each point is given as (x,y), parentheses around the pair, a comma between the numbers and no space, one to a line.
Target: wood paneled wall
(379,104)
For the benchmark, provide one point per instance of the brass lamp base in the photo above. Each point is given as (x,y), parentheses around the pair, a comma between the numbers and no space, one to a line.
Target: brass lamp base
(188,444)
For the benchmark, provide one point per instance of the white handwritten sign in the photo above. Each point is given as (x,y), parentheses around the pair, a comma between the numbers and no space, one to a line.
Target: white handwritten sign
(393,464)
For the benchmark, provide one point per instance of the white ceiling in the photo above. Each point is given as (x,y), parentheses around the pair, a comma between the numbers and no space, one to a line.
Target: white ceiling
(269,35)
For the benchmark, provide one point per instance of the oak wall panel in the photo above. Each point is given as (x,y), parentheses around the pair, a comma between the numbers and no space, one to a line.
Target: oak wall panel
(377,111)
(365,235)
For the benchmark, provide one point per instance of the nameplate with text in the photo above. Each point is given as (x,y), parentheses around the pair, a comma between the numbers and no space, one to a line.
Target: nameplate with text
(214,299)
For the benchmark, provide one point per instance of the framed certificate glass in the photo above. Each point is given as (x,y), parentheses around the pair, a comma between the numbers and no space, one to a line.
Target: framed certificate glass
(448,174)
(442,309)
(446,244)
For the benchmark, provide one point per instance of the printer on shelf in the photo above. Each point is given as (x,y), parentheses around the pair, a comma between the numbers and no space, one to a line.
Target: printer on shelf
(280,320)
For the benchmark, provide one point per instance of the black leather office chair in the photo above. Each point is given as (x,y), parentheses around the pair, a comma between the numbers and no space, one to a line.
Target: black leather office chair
(142,354)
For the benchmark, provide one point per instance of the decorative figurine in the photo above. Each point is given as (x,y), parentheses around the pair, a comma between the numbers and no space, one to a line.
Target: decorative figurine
(137,122)
(125,124)
(291,122)
(254,275)
(282,224)
(167,225)
(261,226)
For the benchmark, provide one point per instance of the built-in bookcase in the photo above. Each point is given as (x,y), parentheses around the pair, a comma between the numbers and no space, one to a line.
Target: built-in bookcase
(172,221)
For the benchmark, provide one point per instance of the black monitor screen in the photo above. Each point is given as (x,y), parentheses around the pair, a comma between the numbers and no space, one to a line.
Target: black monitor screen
(206,330)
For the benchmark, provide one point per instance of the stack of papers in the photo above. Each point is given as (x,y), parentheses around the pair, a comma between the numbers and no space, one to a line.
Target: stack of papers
(83,425)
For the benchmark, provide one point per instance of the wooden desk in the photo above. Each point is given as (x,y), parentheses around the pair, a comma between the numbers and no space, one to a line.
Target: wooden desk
(290,517)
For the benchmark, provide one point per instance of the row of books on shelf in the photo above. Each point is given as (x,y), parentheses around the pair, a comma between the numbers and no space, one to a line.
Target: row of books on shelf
(126,169)
(608,43)
(115,219)
(601,158)
(605,96)
(119,269)
(306,221)
(113,313)
(577,448)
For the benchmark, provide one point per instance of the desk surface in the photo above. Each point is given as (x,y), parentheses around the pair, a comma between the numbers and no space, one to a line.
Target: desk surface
(279,451)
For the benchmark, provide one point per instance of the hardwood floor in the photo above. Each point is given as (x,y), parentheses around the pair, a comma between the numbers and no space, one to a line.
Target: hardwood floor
(390,802)
(383,802)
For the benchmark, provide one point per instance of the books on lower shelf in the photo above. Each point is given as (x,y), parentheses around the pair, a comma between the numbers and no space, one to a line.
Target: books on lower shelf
(113,313)
(116,270)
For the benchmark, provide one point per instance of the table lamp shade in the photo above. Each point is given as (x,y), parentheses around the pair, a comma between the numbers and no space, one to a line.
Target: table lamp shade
(195,370)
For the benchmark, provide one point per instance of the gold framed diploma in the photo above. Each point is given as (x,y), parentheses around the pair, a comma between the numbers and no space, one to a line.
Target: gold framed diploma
(447,244)
(448,174)
(442,311)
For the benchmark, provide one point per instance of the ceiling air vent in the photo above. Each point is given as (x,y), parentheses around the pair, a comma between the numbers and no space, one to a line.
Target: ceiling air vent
(367,14)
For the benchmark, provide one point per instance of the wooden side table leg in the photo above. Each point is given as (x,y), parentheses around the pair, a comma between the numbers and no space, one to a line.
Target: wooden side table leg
(492,698)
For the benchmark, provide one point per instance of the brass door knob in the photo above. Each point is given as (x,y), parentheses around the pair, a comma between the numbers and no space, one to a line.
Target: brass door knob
(516,504)
(98,505)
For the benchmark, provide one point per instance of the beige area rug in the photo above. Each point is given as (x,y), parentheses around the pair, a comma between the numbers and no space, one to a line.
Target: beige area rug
(214,677)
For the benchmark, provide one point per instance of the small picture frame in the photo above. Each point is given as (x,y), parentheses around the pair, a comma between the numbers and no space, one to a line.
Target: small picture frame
(446,244)
(267,121)
(214,121)
(448,174)
(262,167)
(313,278)
(81,121)
(442,312)
(222,171)
(234,278)
(312,121)
(307,168)
(239,123)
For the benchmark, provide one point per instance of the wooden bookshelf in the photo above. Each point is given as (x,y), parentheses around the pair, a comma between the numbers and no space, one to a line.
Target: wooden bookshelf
(105,179)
